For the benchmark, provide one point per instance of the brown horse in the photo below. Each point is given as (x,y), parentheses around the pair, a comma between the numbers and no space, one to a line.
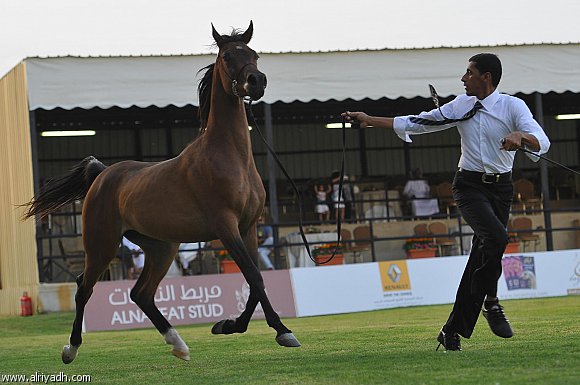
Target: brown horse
(211,190)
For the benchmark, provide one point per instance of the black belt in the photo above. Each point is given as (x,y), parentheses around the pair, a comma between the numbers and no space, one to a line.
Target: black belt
(487,177)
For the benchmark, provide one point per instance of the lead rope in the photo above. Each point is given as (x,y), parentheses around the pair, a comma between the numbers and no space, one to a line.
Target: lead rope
(295,188)
(523,149)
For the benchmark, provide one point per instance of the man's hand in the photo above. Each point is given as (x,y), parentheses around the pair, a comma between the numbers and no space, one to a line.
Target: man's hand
(356,117)
(517,140)
(512,142)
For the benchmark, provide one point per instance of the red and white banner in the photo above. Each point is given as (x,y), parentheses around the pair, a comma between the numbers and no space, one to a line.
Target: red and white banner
(185,300)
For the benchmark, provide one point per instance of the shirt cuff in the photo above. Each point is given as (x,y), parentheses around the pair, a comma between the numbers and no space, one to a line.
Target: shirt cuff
(399,128)
(543,149)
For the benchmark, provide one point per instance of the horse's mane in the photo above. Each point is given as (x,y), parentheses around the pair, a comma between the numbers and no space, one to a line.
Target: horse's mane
(204,87)
(204,93)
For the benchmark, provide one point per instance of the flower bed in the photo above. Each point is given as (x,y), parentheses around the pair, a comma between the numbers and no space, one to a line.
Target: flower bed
(324,252)
(420,248)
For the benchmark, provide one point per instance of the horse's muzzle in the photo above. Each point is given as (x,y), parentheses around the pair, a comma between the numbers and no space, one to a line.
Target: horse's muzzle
(255,85)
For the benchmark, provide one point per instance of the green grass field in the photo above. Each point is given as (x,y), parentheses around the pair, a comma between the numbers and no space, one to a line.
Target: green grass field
(382,347)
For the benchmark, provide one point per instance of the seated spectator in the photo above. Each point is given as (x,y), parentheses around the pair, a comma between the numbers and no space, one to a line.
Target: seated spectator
(417,187)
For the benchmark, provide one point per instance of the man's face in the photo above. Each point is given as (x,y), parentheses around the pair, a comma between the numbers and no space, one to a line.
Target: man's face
(473,81)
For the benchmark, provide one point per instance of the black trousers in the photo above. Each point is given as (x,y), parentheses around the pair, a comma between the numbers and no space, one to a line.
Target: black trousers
(485,207)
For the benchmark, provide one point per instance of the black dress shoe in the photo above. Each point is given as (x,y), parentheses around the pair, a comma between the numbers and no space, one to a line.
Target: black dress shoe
(498,323)
(450,341)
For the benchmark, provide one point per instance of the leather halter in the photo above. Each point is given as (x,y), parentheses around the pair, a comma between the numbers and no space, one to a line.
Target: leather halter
(234,80)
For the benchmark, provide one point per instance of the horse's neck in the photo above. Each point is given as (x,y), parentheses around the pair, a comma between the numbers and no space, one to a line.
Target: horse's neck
(227,120)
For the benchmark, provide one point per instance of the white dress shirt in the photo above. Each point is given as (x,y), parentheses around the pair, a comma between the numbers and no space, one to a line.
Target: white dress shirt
(417,188)
(482,134)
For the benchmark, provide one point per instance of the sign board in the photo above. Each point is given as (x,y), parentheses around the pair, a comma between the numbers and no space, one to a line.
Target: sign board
(312,291)
(185,300)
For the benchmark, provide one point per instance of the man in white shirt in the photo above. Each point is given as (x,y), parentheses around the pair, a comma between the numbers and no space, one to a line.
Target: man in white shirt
(492,127)
(419,188)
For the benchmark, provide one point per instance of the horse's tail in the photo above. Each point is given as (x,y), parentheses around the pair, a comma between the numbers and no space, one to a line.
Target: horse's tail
(65,189)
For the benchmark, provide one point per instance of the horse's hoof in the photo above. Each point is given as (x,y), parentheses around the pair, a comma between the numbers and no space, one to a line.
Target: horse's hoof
(288,340)
(218,328)
(69,353)
(184,355)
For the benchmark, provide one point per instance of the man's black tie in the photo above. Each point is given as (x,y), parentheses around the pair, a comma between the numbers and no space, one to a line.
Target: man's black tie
(427,122)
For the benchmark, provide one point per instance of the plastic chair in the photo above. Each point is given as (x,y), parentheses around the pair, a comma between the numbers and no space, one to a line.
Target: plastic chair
(346,239)
(362,242)
(440,228)
(346,242)
(444,192)
(525,195)
(523,227)
(421,230)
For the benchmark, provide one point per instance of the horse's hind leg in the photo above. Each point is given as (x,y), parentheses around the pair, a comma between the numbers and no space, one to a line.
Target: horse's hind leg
(99,254)
(158,258)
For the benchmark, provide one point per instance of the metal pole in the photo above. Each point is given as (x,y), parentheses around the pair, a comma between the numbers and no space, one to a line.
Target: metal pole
(272,189)
(407,158)
(362,148)
(544,179)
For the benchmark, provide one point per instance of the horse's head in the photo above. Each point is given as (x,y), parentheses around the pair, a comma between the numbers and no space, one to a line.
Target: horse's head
(237,65)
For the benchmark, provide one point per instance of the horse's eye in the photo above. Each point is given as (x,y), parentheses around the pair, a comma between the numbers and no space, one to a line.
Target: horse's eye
(227,56)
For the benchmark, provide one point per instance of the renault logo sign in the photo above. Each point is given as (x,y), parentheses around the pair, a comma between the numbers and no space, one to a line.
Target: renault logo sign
(394,276)
(394,273)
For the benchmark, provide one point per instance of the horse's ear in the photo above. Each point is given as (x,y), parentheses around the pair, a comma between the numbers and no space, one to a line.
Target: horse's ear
(247,36)
(216,36)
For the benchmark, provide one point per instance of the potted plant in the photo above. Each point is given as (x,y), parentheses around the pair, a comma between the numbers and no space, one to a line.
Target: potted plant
(420,248)
(227,263)
(323,252)
(513,245)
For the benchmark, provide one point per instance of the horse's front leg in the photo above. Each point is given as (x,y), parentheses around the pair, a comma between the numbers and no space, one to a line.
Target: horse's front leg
(233,242)
(240,324)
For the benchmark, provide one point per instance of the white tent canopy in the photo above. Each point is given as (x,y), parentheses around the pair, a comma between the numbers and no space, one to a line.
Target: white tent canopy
(70,82)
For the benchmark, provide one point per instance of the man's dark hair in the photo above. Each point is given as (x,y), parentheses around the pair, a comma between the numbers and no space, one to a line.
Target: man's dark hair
(488,62)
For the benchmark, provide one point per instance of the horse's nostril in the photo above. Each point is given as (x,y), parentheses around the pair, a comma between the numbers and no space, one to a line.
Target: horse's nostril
(252,80)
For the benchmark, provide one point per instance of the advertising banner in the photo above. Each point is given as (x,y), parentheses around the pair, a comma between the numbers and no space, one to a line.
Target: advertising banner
(185,300)
(534,275)
(335,289)
(372,286)
(429,281)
